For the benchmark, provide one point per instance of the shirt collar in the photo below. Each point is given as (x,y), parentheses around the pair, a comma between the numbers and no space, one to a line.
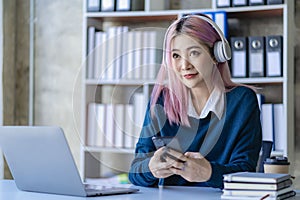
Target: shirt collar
(215,103)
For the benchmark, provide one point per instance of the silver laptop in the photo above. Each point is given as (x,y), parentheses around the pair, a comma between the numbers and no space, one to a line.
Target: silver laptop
(40,160)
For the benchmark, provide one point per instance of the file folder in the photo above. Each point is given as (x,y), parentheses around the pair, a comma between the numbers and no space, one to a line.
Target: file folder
(93,5)
(256,2)
(274,55)
(236,3)
(269,2)
(137,5)
(219,17)
(107,5)
(123,5)
(239,57)
(267,122)
(256,51)
(129,5)
(223,3)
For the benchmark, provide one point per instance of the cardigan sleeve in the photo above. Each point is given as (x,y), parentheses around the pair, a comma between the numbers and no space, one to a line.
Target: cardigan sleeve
(140,173)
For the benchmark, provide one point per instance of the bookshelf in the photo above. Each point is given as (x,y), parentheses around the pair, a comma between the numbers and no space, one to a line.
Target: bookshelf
(276,89)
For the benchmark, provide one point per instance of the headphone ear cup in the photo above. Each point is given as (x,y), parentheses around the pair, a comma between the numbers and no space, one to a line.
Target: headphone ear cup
(218,52)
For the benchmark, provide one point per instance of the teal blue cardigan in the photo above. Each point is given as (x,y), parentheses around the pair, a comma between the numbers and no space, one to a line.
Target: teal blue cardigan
(231,144)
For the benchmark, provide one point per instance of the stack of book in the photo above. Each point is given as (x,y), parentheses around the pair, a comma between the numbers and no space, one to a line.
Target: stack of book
(252,185)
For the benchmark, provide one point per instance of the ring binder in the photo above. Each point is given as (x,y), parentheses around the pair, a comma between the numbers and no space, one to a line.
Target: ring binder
(256,50)
(93,5)
(274,56)
(256,2)
(107,5)
(223,3)
(236,3)
(269,2)
(239,57)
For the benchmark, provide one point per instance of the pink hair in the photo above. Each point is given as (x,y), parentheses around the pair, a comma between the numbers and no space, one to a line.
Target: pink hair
(175,93)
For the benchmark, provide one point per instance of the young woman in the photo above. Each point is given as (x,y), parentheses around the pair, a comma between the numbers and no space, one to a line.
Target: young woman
(216,121)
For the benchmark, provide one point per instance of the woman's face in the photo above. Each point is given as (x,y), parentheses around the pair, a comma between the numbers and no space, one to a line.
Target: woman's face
(191,62)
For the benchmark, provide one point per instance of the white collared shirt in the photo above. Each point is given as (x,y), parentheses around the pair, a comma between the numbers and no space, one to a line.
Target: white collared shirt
(215,103)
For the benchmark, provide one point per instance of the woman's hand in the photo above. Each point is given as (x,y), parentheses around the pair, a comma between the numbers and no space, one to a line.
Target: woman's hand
(195,169)
(160,164)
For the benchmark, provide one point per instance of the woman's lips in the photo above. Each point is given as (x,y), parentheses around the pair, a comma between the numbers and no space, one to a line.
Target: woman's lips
(190,76)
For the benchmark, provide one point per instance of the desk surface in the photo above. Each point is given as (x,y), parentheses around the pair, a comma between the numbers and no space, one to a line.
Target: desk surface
(8,190)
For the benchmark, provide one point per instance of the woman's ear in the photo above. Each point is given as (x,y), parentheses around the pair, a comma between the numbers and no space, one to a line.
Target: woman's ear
(213,57)
(214,60)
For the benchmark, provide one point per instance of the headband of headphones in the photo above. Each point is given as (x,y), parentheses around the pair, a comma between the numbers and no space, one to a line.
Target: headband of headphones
(222,50)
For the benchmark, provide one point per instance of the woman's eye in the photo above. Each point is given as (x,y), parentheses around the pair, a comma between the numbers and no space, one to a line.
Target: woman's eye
(195,53)
(175,56)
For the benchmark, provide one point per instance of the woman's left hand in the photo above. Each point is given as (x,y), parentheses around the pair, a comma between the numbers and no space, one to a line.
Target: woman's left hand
(196,168)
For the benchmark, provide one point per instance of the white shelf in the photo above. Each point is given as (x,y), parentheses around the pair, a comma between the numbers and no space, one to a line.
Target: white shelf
(271,9)
(260,80)
(119,82)
(261,8)
(108,149)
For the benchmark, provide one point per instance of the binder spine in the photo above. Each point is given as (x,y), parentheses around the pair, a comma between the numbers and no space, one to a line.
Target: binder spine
(274,64)
(256,50)
(237,3)
(239,59)
(256,2)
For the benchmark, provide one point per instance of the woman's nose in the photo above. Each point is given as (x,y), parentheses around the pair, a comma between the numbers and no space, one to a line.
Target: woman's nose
(185,64)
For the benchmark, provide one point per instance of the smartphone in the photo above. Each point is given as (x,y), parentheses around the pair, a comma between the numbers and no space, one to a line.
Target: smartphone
(168,141)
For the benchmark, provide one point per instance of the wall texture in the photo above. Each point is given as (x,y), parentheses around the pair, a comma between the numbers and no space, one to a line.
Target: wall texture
(58,47)
(57,60)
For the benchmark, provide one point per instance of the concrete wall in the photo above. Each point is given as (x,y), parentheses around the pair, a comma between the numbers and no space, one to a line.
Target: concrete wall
(57,60)
(58,47)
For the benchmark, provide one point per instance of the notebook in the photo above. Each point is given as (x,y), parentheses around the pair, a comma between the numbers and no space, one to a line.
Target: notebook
(40,160)
(255,177)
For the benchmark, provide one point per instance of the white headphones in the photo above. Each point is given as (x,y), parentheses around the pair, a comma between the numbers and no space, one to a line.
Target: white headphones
(222,50)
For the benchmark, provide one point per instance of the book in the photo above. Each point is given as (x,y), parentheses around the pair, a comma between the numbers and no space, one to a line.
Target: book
(129,53)
(110,68)
(267,197)
(267,122)
(119,125)
(91,124)
(90,52)
(280,143)
(109,129)
(156,40)
(129,126)
(261,193)
(145,56)
(137,54)
(101,123)
(258,186)
(107,5)
(139,114)
(93,5)
(98,67)
(120,46)
(255,177)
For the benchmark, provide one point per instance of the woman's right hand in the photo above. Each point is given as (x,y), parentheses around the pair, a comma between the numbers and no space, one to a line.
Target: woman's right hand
(158,165)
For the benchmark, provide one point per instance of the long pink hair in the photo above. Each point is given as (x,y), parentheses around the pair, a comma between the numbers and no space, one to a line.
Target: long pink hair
(175,93)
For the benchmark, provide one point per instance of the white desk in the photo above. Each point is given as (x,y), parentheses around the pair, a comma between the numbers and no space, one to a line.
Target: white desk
(8,191)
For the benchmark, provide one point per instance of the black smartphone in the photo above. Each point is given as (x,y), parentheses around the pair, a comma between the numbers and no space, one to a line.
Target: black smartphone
(169,142)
